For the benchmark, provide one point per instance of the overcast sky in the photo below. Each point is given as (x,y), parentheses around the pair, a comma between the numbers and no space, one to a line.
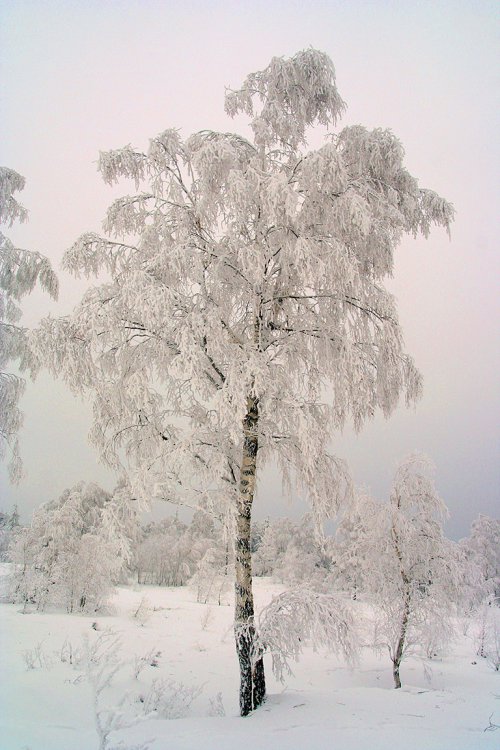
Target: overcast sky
(77,77)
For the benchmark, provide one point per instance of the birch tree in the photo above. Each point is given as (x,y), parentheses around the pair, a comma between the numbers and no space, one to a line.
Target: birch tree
(20,270)
(403,561)
(245,317)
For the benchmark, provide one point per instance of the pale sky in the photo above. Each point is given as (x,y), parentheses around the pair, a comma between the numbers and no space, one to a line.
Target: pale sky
(77,77)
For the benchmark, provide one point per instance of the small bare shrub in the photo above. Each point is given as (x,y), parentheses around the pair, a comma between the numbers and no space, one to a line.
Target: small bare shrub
(143,612)
(206,618)
(150,659)
(36,658)
(167,699)
(216,706)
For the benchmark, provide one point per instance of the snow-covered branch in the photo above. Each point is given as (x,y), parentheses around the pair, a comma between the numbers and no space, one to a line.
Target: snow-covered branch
(302,617)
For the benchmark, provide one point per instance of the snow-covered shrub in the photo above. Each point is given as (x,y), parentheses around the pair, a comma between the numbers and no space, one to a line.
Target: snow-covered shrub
(143,611)
(167,699)
(101,663)
(36,658)
(206,618)
(216,706)
(151,659)
(70,654)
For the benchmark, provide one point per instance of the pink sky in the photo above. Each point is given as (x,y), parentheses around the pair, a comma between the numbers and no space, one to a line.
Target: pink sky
(76,77)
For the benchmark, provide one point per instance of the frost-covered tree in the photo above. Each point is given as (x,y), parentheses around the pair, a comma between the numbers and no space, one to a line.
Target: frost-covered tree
(347,552)
(170,551)
(307,559)
(213,577)
(246,274)
(482,548)
(70,556)
(274,542)
(20,270)
(403,561)
(292,552)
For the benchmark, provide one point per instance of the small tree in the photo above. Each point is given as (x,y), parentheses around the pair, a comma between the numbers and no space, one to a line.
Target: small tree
(20,270)
(246,274)
(405,563)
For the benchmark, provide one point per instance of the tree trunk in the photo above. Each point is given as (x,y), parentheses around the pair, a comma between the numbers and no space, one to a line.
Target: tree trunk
(398,655)
(395,674)
(396,662)
(252,678)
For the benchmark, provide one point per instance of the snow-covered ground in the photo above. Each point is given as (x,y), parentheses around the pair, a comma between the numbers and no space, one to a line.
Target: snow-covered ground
(47,702)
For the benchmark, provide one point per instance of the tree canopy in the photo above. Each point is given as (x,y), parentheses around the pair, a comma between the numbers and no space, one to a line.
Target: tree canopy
(20,271)
(244,268)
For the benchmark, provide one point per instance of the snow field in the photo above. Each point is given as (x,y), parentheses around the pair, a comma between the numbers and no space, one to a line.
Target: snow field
(47,701)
